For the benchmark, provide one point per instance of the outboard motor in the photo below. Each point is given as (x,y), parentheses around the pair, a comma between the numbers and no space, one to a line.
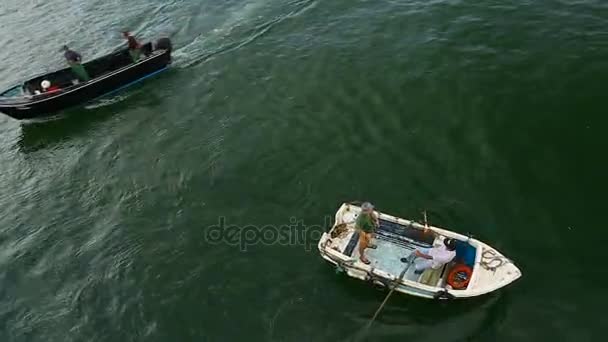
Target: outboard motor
(164,44)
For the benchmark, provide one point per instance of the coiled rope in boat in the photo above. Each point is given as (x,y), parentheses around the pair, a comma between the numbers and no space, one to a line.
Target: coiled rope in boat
(491,261)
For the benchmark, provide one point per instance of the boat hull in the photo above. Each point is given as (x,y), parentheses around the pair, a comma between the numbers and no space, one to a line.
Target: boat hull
(397,238)
(36,106)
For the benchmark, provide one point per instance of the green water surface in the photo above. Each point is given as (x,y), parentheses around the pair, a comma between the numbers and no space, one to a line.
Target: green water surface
(489,114)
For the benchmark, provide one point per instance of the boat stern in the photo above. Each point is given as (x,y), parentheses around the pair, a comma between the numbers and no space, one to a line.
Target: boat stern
(338,235)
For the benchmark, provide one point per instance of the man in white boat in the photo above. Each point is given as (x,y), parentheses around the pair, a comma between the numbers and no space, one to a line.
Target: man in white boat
(366,224)
(435,257)
(74,59)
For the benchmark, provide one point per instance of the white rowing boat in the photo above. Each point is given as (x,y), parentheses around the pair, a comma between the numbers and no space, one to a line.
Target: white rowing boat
(477,268)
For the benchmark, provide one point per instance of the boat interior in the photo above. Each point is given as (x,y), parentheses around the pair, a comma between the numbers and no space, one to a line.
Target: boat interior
(66,78)
(12,92)
(396,241)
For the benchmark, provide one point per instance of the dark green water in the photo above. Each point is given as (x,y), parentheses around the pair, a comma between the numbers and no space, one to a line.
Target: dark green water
(489,114)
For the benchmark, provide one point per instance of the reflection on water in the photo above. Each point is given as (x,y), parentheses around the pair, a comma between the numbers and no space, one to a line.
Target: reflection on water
(45,133)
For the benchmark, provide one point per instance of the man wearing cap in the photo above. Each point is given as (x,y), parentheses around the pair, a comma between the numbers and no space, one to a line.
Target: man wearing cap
(366,223)
(435,257)
(74,58)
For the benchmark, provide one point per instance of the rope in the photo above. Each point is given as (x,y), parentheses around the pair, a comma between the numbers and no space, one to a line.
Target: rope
(488,257)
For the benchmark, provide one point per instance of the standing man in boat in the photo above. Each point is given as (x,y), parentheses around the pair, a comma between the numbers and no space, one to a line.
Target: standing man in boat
(366,224)
(134,46)
(74,58)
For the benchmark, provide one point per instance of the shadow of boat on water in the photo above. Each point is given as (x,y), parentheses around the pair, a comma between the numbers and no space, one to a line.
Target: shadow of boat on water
(48,132)
(460,318)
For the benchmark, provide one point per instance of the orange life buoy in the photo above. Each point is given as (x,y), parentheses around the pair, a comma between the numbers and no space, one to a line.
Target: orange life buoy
(459,276)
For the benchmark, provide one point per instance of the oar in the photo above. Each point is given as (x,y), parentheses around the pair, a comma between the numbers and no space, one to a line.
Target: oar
(426,223)
(397,281)
(427,229)
(395,284)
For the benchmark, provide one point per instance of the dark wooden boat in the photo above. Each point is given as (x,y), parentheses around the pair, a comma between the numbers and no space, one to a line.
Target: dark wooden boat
(107,74)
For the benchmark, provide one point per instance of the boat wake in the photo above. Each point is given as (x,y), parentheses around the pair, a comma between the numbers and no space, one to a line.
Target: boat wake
(236,32)
(43,119)
(104,102)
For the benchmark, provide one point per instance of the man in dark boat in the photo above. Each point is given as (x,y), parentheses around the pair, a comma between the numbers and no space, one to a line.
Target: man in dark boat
(134,46)
(74,58)
(47,87)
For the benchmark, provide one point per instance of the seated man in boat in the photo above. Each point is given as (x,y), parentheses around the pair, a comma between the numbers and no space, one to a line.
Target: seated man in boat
(366,223)
(74,59)
(47,87)
(134,46)
(435,257)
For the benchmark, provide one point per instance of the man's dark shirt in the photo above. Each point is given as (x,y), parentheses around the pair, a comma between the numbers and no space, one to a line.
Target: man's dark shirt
(72,56)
